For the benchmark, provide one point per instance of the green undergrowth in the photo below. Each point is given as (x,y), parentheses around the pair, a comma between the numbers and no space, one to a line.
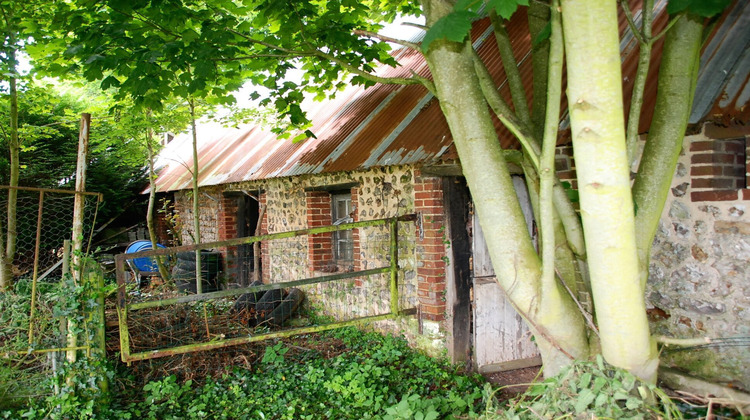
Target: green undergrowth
(586,390)
(375,377)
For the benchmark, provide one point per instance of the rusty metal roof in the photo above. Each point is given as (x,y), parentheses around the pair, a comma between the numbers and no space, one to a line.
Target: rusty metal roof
(393,124)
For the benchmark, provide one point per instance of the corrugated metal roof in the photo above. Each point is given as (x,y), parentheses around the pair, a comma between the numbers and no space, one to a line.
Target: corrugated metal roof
(723,90)
(393,124)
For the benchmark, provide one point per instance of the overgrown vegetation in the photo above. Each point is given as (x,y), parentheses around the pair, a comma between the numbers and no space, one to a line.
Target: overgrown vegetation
(586,390)
(341,374)
(376,377)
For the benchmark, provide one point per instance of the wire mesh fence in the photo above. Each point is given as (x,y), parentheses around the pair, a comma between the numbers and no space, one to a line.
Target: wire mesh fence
(34,312)
(44,222)
(301,287)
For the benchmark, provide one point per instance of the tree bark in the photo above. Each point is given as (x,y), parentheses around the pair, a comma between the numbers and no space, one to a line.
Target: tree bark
(196,201)
(517,91)
(676,86)
(538,16)
(639,85)
(547,158)
(14,147)
(163,272)
(552,315)
(598,131)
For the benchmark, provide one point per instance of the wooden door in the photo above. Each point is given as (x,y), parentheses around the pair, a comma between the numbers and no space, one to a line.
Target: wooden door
(502,340)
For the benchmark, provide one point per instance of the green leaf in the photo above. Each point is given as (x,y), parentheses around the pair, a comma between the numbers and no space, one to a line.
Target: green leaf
(543,35)
(704,8)
(506,8)
(585,397)
(469,5)
(585,380)
(110,81)
(453,27)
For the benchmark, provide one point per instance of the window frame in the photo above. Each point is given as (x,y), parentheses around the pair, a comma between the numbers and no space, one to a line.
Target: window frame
(342,237)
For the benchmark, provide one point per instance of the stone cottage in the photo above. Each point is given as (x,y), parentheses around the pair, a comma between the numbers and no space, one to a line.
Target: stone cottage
(387,151)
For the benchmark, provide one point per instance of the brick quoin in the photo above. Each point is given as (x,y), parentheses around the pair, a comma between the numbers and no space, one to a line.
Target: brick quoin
(712,158)
(431,249)
(227,218)
(356,249)
(706,170)
(265,260)
(714,183)
(726,195)
(719,170)
(320,250)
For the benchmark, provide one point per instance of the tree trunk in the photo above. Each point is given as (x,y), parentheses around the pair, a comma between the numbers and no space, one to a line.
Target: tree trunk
(78,214)
(196,201)
(539,14)
(163,272)
(598,131)
(676,86)
(551,314)
(14,147)
(641,74)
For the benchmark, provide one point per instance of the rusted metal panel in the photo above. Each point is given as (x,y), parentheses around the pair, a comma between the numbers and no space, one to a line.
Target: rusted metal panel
(392,124)
(723,88)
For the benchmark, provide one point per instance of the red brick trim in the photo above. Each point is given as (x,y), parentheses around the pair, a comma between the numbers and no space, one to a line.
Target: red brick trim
(719,169)
(265,258)
(227,218)
(320,246)
(357,251)
(725,195)
(431,254)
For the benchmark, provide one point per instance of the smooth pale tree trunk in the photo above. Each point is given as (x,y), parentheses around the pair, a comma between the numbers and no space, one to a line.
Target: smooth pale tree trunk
(596,113)
(639,85)
(517,90)
(532,148)
(14,147)
(674,98)
(196,201)
(551,314)
(538,15)
(163,272)
(78,214)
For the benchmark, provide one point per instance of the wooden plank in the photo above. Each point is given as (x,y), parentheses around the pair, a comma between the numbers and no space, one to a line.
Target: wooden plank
(500,334)
(511,365)
(458,273)
(481,255)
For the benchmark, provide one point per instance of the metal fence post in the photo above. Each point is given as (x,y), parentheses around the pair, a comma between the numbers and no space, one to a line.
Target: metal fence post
(35,276)
(394,266)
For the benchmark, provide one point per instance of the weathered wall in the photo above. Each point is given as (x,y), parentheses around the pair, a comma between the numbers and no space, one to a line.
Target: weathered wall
(209,202)
(699,284)
(376,193)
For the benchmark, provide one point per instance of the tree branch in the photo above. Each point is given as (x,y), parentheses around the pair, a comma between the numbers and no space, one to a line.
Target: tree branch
(639,85)
(547,158)
(641,37)
(568,215)
(685,342)
(377,79)
(401,42)
(517,91)
(671,23)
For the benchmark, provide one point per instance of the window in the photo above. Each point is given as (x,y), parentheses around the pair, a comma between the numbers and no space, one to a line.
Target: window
(343,244)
